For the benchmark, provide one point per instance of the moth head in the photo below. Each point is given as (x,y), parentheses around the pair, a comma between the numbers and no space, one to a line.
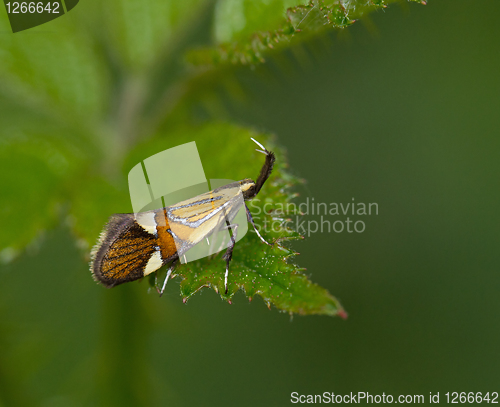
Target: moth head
(248,190)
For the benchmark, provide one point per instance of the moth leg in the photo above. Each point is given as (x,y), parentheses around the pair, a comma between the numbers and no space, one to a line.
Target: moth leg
(223,242)
(250,219)
(169,272)
(229,252)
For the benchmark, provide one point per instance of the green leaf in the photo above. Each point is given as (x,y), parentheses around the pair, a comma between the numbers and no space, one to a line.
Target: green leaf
(227,152)
(237,20)
(260,270)
(257,27)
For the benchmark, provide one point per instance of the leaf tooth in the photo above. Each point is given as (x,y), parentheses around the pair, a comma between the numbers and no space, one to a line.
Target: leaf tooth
(342,314)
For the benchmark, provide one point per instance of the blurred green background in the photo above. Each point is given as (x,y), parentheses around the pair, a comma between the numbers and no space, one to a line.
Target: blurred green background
(402,110)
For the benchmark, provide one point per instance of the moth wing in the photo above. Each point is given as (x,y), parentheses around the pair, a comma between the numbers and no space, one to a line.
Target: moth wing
(122,252)
(194,219)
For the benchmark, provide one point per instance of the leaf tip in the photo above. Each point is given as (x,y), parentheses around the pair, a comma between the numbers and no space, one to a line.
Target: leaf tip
(342,314)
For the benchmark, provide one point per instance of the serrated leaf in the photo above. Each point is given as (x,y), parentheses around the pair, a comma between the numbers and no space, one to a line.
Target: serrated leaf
(252,39)
(263,271)
(236,20)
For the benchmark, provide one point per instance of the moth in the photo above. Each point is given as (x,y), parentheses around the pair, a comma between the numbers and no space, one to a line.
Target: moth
(132,246)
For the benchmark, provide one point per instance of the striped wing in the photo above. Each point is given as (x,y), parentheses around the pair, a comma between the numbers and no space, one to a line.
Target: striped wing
(123,251)
(199,217)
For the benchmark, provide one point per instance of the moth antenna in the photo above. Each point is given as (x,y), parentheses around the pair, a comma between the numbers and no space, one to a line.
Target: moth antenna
(260,145)
(229,252)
